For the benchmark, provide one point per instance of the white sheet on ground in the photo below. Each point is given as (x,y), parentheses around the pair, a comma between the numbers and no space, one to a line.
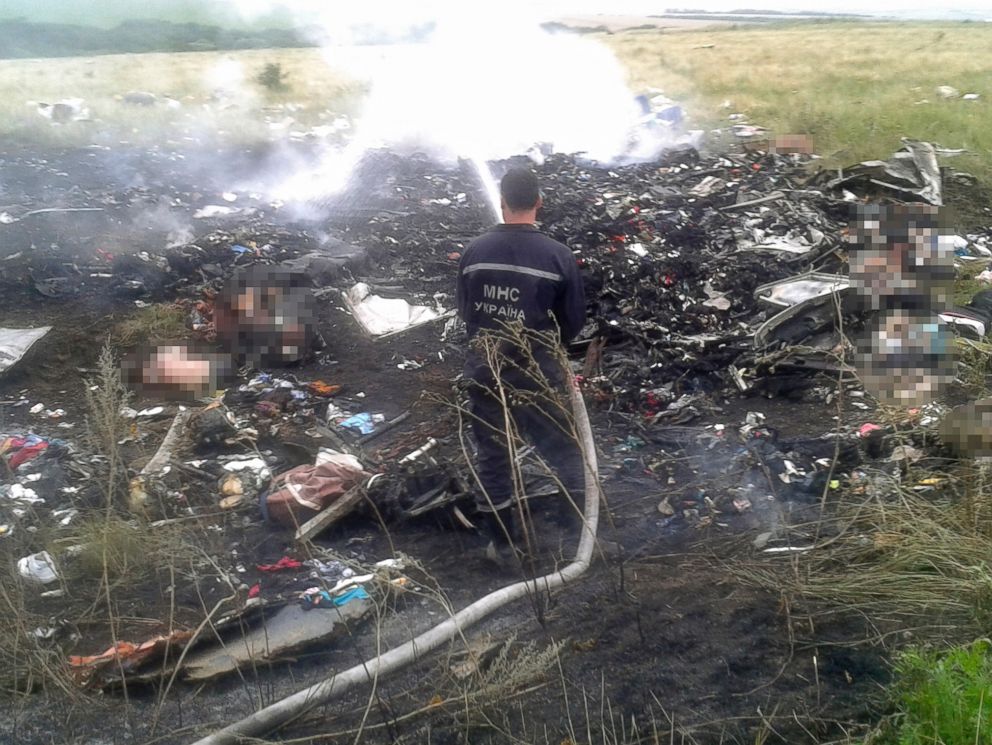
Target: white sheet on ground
(380,316)
(14,344)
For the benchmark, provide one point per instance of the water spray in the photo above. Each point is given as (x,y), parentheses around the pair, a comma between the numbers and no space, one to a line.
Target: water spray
(489,187)
(457,92)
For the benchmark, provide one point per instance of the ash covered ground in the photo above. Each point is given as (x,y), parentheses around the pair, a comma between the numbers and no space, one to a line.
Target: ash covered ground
(711,451)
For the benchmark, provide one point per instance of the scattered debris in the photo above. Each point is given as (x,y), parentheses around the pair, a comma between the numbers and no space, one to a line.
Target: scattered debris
(911,173)
(707,276)
(277,636)
(39,568)
(124,658)
(299,494)
(64,111)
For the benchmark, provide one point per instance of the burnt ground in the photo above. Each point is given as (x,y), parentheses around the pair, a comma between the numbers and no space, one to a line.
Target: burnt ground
(663,635)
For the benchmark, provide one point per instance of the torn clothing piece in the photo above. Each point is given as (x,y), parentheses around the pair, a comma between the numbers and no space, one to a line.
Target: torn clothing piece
(19,450)
(300,493)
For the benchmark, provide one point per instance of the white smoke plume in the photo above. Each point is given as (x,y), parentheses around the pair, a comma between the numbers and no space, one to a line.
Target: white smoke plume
(484,84)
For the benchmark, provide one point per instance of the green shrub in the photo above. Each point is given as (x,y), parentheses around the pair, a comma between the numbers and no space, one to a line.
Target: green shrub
(945,698)
(272,77)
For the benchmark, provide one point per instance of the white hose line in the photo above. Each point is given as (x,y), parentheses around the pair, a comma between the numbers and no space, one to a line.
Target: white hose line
(280,713)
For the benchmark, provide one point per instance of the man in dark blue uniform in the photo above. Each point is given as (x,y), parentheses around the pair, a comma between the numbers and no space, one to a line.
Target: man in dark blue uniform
(521,297)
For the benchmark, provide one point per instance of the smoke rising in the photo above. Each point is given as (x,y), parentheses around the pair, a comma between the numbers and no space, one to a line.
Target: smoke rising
(478,84)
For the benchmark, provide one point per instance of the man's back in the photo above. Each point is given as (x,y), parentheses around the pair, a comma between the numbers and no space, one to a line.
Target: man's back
(516,273)
(515,276)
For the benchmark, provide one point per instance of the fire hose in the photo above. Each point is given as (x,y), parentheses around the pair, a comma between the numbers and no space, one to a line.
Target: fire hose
(282,712)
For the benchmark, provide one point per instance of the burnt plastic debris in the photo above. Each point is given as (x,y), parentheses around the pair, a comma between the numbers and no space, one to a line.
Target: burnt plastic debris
(15,344)
(671,252)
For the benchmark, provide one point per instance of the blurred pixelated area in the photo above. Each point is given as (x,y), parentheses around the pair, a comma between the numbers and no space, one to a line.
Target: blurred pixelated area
(264,315)
(902,267)
(899,257)
(965,429)
(907,357)
(180,372)
(267,315)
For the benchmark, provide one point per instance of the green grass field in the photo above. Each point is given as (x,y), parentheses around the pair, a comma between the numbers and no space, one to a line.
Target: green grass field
(856,87)
(314,94)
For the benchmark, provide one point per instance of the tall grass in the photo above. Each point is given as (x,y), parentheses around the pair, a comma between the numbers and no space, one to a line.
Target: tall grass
(943,698)
(856,87)
(916,560)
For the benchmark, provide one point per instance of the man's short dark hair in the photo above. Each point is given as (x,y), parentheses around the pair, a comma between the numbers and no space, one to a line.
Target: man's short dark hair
(520,189)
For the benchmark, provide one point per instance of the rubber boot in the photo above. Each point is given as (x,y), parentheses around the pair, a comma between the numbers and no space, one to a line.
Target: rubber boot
(499,526)
(500,529)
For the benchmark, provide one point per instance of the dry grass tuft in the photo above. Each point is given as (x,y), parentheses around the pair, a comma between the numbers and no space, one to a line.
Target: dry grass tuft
(153,324)
(513,670)
(129,550)
(975,366)
(920,562)
(106,396)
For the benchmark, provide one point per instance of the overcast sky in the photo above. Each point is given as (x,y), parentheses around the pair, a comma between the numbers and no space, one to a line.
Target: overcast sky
(391,12)
(936,8)
(386,9)
(980,7)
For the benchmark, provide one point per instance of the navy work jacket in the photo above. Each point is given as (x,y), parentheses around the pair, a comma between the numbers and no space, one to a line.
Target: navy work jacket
(515,273)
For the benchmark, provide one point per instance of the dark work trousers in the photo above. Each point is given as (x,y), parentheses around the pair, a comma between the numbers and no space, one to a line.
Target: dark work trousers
(545,427)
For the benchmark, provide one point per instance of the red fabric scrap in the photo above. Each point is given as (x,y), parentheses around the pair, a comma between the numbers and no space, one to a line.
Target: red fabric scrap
(30,452)
(284,563)
(20,450)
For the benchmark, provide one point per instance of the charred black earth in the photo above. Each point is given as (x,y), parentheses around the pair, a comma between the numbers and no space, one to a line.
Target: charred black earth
(706,443)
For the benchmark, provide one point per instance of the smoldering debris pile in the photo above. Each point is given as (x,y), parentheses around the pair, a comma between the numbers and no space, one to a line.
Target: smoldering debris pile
(704,274)
(672,251)
(673,254)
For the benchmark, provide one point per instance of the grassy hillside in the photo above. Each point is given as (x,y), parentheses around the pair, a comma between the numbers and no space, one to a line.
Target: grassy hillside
(856,87)
(23,40)
(108,13)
